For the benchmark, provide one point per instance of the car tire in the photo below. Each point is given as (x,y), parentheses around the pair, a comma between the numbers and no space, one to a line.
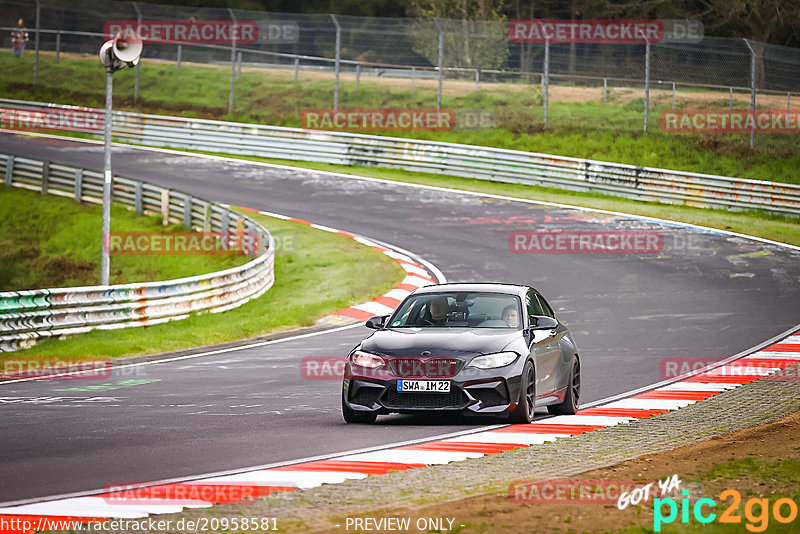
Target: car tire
(523,413)
(569,406)
(352,416)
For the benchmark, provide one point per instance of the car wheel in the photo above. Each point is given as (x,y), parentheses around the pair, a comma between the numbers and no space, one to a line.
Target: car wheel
(523,413)
(352,416)
(572,397)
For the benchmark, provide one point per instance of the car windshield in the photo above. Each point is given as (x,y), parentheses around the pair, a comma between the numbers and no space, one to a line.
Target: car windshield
(459,309)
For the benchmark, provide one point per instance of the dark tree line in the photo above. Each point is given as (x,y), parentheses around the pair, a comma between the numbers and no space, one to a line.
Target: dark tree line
(771,21)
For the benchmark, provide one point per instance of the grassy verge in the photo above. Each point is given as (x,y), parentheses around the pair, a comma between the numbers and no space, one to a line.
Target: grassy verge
(580,124)
(785,229)
(316,273)
(51,241)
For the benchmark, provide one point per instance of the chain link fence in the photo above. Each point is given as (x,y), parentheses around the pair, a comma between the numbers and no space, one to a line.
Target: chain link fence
(442,63)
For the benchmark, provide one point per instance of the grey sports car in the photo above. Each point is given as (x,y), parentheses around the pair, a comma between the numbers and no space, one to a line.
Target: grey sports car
(480,349)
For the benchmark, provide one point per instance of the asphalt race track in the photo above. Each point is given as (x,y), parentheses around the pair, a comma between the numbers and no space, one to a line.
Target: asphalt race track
(706,295)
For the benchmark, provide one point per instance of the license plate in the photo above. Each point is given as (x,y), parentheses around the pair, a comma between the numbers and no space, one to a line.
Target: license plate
(423,386)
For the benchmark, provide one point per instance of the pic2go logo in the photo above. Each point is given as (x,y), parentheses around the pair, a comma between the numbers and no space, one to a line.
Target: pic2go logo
(756,511)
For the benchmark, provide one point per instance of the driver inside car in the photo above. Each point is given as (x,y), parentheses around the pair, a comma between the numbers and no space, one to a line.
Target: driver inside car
(511,316)
(438,309)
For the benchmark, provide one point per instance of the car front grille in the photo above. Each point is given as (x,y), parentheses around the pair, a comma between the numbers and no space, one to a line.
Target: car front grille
(455,399)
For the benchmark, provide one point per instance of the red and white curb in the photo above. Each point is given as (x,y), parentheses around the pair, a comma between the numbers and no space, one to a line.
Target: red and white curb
(203,493)
(417,274)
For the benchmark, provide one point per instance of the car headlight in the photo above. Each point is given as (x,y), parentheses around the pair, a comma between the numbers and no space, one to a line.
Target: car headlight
(365,359)
(490,361)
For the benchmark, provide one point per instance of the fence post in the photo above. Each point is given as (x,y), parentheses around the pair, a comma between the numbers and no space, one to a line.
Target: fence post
(338,58)
(440,64)
(752,93)
(207,217)
(45,176)
(36,42)
(9,169)
(187,211)
(165,207)
(646,85)
(546,80)
(238,65)
(413,80)
(138,26)
(78,185)
(358,76)
(233,60)
(58,45)
(137,199)
(788,102)
(730,100)
(223,228)
(477,79)
(296,68)
(605,90)
(673,95)
(180,52)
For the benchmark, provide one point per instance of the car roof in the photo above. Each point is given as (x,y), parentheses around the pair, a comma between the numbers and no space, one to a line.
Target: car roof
(474,287)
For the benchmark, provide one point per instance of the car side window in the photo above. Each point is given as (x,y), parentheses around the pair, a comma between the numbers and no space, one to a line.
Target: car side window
(546,307)
(532,303)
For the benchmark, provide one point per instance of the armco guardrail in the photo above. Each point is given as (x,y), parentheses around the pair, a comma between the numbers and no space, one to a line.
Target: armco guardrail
(26,316)
(484,163)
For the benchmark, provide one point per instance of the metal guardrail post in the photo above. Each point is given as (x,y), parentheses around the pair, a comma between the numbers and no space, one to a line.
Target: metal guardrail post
(138,25)
(338,59)
(224,224)
(296,69)
(673,95)
(238,65)
(752,93)
(605,90)
(164,207)
(440,64)
(546,80)
(788,102)
(36,42)
(730,100)
(206,217)
(137,199)
(233,61)
(413,79)
(187,212)
(646,85)
(45,176)
(58,46)
(10,170)
(477,80)
(78,185)
(358,77)
(178,59)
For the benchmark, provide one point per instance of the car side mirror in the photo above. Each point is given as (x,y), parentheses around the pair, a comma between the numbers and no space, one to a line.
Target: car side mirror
(542,322)
(376,323)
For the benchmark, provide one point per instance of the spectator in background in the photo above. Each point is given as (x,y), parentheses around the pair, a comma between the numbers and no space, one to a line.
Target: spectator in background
(19,36)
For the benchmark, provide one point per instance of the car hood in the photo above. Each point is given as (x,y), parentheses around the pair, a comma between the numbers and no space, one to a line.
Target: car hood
(450,342)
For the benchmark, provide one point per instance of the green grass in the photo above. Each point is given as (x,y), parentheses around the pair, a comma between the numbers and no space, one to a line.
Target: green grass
(52,241)
(780,228)
(316,273)
(584,129)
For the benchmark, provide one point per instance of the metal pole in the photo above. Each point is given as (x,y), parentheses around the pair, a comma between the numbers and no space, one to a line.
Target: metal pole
(138,25)
(296,68)
(440,63)
(238,65)
(752,93)
(546,81)
(358,76)
(730,100)
(58,46)
(180,52)
(338,58)
(788,102)
(233,61)
(36,58)
(477,80)
(104,258)
(605,90)
(646,85)
(413,80)
(673,95)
